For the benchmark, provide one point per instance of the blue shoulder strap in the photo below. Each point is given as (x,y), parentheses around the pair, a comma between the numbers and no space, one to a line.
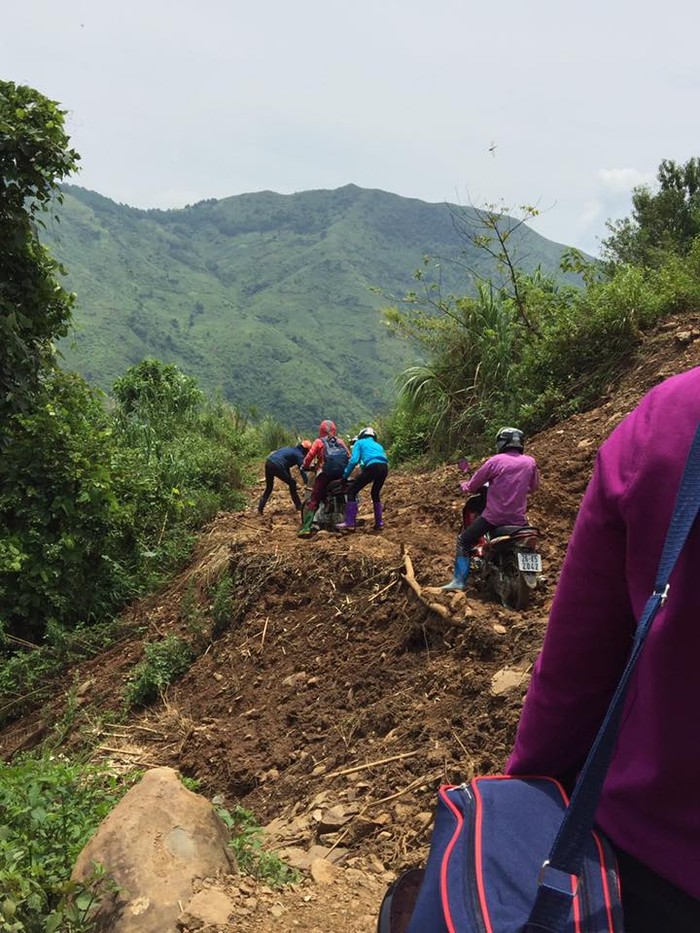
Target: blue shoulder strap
(552,906)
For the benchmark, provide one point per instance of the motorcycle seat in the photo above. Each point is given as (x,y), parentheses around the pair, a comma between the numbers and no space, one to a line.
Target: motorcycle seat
(336,487)
(506,532)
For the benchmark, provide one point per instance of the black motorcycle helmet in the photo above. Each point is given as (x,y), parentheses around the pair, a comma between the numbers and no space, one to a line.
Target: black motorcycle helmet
(508,438)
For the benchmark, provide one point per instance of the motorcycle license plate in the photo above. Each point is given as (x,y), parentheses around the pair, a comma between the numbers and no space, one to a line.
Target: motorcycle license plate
(529,561)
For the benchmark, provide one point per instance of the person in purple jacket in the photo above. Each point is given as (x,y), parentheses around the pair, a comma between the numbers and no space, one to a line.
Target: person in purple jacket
(650,806)
(511,476)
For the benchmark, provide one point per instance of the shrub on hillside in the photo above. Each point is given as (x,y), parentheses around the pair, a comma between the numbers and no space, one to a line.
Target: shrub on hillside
(49,808)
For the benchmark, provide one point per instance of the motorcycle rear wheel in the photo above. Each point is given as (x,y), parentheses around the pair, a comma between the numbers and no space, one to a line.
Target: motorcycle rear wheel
(516,589)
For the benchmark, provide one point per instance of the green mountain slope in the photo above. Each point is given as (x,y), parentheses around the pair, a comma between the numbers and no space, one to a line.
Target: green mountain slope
(264,297)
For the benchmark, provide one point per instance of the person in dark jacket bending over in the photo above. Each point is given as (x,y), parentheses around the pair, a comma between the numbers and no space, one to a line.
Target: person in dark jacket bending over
(278,466)
(511,476)
(371,456)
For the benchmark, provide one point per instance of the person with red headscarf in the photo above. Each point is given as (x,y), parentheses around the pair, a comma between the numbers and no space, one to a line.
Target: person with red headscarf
(331,455)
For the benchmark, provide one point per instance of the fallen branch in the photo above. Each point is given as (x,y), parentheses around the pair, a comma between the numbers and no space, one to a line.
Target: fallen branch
(423,779)
(410,578)
(376,595)
(373,803)
(373,764)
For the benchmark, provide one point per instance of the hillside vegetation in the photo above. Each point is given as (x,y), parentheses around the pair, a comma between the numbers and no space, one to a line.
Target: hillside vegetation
(265,298)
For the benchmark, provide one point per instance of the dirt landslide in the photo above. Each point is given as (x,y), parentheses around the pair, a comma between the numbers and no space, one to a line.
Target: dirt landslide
(334,696)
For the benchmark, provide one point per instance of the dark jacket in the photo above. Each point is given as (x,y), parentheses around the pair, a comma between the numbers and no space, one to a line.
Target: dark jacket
(287,457)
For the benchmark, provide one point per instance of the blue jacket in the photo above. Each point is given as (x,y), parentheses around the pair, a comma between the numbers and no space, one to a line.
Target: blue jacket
(365,451)
(287,457)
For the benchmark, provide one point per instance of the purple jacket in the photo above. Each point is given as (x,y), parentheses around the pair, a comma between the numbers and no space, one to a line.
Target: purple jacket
(511,476)
(651,799)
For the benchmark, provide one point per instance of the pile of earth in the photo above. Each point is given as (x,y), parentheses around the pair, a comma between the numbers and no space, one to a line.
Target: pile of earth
(335,697)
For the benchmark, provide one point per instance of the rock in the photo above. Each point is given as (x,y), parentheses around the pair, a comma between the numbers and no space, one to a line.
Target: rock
(508,679)
(323,872)
(334,818)
(302,859)
(499,629)
(294,856)
(294,679)
(209,906)
(158,839)
(290,831)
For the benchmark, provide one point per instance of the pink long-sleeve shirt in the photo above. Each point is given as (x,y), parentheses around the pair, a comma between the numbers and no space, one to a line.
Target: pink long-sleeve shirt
(511,476)
(650,804)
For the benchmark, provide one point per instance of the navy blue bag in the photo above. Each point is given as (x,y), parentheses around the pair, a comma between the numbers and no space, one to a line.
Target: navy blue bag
(335,457)
(512,854)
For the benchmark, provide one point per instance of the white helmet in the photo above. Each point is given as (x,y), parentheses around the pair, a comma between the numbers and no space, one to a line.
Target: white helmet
(367,432)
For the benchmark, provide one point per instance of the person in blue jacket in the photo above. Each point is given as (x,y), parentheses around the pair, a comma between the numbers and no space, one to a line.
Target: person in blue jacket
(278,466)
(374,466)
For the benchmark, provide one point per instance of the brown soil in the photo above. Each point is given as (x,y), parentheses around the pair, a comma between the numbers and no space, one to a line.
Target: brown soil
(330,662)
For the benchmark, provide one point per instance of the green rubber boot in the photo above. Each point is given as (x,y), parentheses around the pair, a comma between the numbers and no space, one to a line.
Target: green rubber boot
(308,517)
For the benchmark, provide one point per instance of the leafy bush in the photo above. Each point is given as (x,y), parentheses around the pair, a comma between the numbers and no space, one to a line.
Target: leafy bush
(95,508)
(485,369)
(248,846)
(164,661)
(59,555)
(49,808)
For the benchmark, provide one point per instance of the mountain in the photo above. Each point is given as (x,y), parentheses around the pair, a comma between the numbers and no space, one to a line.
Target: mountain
(266,298)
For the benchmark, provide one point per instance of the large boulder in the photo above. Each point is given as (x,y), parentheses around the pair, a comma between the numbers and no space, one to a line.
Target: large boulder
(158,839)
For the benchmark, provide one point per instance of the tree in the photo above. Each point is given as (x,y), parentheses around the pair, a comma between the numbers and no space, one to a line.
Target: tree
(662,222)
(157,391)
(493,229)
(34,308)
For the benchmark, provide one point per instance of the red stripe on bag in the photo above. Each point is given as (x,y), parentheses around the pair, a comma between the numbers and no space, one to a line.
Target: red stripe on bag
(457,813)
(604,880)
(478,858)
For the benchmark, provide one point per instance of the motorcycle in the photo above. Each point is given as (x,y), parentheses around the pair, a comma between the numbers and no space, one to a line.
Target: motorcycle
(505,562)
(330,512)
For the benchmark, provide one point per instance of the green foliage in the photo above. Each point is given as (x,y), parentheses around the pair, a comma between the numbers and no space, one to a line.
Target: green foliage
(49,808)
(264,298)
(489,364)
(248,845)
(164,661)
(59,558)
(34,309)
(153,390)
(406,433)
(663,221)
(97,507)
(272,435)
(222,604)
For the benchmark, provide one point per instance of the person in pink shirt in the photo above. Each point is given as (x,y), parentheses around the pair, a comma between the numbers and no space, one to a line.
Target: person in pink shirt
(511,476)
(650,805)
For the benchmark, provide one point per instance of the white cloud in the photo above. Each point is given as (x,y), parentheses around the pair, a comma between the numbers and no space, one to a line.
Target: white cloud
(623,180)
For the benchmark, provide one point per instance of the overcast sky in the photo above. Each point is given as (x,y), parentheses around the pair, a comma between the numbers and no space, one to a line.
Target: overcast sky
(566,106)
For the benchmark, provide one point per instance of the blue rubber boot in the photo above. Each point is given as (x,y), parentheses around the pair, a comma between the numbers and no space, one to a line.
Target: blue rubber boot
(350,517)
(459,574)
